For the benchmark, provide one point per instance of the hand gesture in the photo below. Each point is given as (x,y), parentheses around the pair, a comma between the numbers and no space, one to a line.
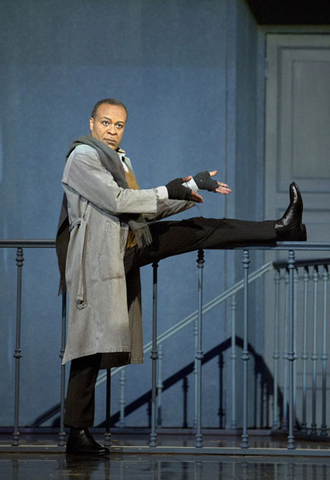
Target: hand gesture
(205,182)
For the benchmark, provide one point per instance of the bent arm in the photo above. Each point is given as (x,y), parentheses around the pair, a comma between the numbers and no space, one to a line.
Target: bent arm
(85,174)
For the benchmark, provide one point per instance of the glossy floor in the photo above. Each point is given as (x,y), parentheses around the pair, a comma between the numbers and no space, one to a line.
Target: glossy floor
(159,467)
(58,466)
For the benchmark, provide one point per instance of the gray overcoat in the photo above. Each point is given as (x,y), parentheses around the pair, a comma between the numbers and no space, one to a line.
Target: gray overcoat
(105,315)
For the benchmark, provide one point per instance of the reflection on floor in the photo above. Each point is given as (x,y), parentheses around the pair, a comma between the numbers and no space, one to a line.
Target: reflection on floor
(58,466)
(160,467)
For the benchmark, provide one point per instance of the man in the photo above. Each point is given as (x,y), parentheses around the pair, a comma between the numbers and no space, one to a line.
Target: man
(105,236)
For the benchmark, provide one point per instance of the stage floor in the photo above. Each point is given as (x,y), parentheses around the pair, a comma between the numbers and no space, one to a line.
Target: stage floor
(42,465)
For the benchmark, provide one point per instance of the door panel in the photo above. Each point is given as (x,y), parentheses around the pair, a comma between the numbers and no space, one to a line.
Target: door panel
(297,148)
(297,127)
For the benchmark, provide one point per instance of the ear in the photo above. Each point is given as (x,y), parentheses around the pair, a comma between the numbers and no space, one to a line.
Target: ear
(91,123)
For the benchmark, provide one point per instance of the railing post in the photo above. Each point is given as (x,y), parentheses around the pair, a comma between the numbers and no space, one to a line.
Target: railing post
(107,434)
(258,397)
(154,357)
(276,354)
(295,288)
(245,353)
(304,355)
(324,356)
(122,381)
(314,356)
(285,423)
(195,371)
(185,388)
(199,351)
(18,351)
(233,357)
(291,353)
(61,435)
(159,385)
(222,402)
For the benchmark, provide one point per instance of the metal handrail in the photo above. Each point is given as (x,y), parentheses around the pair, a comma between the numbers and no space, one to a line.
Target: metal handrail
(26,243)
(283,264)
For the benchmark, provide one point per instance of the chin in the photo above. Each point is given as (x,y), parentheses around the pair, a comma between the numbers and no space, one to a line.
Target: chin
(111,145)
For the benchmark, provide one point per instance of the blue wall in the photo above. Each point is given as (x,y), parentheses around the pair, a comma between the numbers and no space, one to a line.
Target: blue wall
(188,72)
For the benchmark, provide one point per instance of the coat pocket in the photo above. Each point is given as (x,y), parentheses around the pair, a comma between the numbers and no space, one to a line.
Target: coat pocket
(110,258)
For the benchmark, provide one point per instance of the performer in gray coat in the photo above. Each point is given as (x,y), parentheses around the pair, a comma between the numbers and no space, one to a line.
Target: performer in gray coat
(108,229)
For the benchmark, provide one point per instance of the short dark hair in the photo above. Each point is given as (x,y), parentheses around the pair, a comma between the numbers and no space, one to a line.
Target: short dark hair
(109,101)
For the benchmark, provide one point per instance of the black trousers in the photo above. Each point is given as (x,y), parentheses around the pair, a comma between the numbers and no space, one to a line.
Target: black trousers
(169,238)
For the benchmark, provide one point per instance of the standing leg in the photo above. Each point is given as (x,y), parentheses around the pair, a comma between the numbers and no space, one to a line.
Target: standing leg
(80,401)
(79,405)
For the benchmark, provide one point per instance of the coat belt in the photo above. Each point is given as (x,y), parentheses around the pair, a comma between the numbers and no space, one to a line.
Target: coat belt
(81,222)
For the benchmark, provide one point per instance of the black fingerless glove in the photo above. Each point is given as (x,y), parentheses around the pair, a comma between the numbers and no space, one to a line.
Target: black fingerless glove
(205,182)
(176,191)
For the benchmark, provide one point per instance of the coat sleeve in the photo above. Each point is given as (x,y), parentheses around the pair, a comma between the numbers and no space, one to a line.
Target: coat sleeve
(85,174)
(168,208)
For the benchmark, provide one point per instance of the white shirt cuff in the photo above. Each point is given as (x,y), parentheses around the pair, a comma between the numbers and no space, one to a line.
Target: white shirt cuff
(162,193)
(192,184)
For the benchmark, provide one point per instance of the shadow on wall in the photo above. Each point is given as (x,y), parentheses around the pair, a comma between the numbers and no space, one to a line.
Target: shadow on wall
(262,377)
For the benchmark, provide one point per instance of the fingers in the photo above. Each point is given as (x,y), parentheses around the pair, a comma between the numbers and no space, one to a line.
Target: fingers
(194,197)
(186,179)
(223,189)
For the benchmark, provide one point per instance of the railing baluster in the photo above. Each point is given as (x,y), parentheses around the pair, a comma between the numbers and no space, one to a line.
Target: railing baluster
(61,435)
(195,371)
(122,381)
(291,352)
(154,357)
(160,385)
(245,353)
(199,352)
(222,392)
(304,355)
(18,351)
(285,423)
(295,288)
(276,354)
(185,389)
(107,433)
(233,357)
(258,398)
(324,356)
(314,356)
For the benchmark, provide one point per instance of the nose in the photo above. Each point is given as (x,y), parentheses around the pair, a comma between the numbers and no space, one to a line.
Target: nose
(112,129)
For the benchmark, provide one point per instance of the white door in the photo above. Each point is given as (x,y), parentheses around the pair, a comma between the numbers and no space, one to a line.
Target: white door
(297,148)
(298,127)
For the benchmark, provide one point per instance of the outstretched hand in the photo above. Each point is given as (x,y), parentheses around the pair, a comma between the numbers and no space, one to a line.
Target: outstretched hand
(223,187)
(204,181)
(177,191)
(194,197)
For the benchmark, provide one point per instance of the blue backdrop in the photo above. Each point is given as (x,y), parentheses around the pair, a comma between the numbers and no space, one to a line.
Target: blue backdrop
(187,71)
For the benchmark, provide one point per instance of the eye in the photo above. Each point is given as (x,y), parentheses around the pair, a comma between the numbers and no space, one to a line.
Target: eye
(119,126)
(105,123)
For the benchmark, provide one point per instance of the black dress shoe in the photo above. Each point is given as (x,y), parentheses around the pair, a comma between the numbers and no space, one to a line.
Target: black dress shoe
(81,442)
(290,226)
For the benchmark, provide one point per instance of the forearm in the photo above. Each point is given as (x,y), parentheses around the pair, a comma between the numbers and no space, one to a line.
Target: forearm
(86,176)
